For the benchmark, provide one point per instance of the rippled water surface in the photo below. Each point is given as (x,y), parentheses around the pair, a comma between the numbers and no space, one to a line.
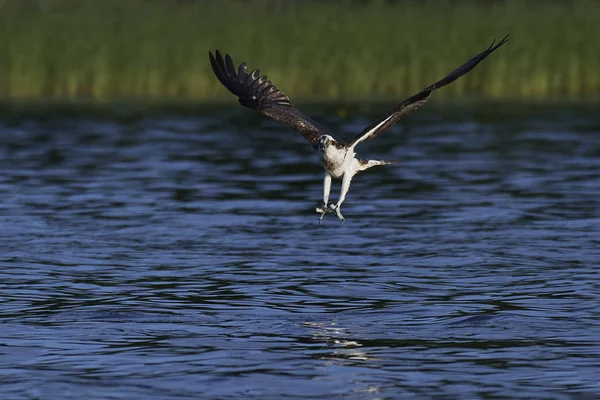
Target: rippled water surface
(164,256)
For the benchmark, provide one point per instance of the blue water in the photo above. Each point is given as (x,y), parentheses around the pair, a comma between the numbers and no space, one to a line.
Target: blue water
(178,256)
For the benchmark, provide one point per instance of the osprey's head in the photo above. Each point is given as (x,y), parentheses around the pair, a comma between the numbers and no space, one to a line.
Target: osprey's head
(325,141)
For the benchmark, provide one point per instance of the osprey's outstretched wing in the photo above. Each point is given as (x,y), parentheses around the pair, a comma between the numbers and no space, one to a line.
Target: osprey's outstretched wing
(412,103)
(257,92)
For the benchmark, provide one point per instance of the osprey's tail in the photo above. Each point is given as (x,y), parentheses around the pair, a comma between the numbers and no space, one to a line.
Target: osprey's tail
(366,164)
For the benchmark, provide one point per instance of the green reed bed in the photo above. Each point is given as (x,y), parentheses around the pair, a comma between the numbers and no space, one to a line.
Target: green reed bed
(110,49)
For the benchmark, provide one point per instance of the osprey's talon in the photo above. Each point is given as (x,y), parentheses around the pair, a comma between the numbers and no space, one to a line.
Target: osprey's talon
(329,208)
(339,214)
(322,212)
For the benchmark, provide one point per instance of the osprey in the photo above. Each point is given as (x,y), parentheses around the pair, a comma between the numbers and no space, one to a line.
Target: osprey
(337,157)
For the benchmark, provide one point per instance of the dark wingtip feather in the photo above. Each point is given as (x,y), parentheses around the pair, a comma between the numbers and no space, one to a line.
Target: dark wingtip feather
(242,72)
(219,73)
(253,89)
(504,40)
(231,69)
(469,65)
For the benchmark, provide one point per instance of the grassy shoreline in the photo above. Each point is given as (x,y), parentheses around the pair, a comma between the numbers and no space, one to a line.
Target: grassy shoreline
(157,49)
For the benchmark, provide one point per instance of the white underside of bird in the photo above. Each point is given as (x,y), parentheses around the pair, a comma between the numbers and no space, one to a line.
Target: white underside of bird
(340,162)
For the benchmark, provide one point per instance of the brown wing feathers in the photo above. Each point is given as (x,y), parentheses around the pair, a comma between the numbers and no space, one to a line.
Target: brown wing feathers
(256,91)
(252,89)
(416,101)
(468,66)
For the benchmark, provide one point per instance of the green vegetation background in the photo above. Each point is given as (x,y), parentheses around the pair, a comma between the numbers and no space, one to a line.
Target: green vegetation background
(138,49)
